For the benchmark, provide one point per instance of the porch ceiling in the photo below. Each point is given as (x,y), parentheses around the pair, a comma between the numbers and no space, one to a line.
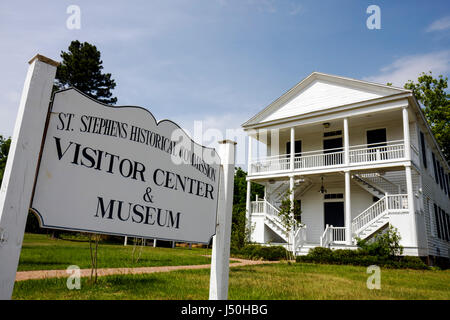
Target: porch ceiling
(372,119)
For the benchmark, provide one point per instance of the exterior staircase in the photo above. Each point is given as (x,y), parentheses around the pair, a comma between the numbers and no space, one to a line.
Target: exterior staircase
(293,240)
(373,190)
(376,216)
(300,188)
(376,184)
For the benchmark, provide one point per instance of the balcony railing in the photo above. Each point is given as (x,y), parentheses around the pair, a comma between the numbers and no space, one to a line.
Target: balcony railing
(392,150)
(372,153)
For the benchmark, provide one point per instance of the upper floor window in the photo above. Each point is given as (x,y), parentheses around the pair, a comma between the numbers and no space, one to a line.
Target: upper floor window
(435,168)
(424,150)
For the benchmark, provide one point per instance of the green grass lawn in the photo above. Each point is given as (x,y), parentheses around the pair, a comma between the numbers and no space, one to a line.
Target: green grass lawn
(39,252)
(281,281)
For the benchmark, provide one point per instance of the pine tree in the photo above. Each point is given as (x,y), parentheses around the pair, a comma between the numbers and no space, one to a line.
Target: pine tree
(81,67)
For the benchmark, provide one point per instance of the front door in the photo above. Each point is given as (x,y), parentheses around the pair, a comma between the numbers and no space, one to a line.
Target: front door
(330,147)
(334,214)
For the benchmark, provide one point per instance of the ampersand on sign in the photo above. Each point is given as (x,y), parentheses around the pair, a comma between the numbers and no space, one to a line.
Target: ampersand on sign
(147,196)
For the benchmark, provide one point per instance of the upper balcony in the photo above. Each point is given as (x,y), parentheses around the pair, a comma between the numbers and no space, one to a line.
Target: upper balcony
(383,139)
(366,154)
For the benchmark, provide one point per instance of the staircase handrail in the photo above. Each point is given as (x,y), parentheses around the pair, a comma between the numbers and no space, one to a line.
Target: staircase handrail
(300,237)
(325,238)
(362,220)
(389,203)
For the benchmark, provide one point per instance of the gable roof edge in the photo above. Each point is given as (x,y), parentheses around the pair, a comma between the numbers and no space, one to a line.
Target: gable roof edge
(310,78)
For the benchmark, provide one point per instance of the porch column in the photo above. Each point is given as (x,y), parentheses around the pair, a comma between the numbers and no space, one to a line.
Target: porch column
(346,143)
(348,210)
(291,189)
(248,207)
(291,199)
(411,209)
(249,165)
(292,148)
(406,136)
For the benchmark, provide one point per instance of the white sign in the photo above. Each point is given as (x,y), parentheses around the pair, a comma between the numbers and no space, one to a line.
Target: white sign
(115,170)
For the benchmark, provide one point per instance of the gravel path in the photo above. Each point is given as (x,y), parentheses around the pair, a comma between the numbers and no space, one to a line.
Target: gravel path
(45,274)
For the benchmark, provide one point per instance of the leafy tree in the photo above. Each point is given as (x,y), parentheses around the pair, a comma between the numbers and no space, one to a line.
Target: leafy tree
(239,230)
(4,149)
(289,215)
(432,95)
(81,67)
(240,188)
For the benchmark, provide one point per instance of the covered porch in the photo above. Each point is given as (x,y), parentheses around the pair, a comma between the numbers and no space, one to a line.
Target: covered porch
(336,208)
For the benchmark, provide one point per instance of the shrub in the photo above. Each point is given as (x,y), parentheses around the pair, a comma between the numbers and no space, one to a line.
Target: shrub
(360,258)
(385,244)
(320,253)
(262,252)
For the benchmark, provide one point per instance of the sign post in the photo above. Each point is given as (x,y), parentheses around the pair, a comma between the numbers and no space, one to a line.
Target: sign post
(220,260)
(20,171)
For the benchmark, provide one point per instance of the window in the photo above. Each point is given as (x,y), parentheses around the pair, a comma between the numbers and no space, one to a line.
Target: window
(424,150)
(446,186)
(447,216)
(441,176)
(432,219)
(334,196)
(438,222)
(332,133)
(436,175)
(444,225)
(447,179)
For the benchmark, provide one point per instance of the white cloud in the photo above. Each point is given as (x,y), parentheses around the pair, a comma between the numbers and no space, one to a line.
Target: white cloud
(410,67)
(439,25)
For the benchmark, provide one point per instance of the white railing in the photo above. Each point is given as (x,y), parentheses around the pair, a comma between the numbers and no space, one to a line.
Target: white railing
(300,237)
(332,235)
(368,215)
(367,153)
(389,203)
(319,158)
(325,238)
(266,208)
(257,206)
(269,164)
(392,150)
(338,234)
(397,202)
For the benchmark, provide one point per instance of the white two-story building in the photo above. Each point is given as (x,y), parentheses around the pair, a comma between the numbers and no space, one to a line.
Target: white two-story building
(358,157)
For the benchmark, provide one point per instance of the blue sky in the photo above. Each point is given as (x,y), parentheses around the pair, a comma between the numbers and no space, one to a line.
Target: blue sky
(222,61)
